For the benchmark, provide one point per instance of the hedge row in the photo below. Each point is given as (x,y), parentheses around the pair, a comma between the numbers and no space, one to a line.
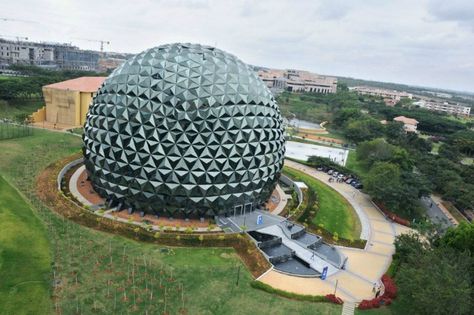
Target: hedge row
(395,218)
(317,161)
(289,295)
(47,191)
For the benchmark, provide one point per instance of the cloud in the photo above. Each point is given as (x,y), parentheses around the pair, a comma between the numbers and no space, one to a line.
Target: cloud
(426,42)
(460,11)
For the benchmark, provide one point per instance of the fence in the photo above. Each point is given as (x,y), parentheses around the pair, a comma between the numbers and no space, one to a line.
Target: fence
(11,130)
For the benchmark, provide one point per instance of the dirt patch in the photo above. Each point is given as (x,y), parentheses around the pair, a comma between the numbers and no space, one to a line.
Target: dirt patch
(161,221)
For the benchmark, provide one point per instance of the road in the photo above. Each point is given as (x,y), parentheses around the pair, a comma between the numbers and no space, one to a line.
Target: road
(364,266)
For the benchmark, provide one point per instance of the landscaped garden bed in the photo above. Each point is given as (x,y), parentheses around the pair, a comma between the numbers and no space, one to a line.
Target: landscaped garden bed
(47,191)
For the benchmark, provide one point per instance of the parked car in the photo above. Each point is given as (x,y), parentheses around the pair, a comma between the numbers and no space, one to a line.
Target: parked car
(349,180)
(357,185)
(341,176)
(330,172)
(319,168)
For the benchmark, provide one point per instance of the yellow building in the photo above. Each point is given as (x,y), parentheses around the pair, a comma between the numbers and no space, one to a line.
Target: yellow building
(67,102)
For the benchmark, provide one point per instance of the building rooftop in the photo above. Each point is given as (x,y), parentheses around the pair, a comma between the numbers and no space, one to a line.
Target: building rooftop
(82,84)
(406,120)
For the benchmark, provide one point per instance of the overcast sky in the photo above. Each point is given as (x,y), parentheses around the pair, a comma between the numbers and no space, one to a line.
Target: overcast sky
(421,42)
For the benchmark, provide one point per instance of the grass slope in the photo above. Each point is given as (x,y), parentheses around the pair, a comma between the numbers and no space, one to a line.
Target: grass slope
(335,214)
(354,165)
(101,273)
(19,109)
(25,257)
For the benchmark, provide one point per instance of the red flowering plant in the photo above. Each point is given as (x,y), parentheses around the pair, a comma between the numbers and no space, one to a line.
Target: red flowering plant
(385,299)
(334,299)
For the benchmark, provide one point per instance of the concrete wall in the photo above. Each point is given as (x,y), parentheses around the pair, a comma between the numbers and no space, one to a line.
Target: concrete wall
(62,106)
(39,115)
(66,107)
(288,181)
(86,99)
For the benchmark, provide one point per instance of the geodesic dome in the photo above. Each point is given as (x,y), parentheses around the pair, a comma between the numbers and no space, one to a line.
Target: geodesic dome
(187,128)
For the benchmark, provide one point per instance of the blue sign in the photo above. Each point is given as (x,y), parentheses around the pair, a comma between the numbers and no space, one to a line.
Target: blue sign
(325,273)
(259,219)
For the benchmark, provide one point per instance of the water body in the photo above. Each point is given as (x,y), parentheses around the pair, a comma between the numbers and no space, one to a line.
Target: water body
(302,151)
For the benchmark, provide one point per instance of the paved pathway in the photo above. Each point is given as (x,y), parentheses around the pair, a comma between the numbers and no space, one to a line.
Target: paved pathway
(364,267)
(73,187)
(436,214)
(315,262)
(283,201)
(348,308)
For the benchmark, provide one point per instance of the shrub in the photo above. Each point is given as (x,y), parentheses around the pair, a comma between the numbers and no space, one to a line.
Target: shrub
(334,299)
(390,287)
(385,299)
(294,296)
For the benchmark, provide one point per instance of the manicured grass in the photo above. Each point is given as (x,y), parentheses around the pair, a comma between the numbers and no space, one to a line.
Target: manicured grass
(335,213)
(100,273)
(376,311)
(334,135)
(354,165)
(25,257)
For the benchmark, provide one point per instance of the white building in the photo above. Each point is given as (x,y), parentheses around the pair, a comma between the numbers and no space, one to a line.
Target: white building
(297,81)
(446,107)
(390,97)
(26,52)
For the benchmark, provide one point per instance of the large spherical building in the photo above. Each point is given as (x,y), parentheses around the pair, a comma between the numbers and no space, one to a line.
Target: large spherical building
(184,128)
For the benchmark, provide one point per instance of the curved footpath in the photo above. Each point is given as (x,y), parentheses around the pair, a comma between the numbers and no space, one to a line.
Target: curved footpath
(364,266)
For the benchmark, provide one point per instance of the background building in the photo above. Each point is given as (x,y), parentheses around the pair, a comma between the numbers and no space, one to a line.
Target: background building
(67,102)
(57,55)
(443,106)
(297,81)
(409,124)
(390,97)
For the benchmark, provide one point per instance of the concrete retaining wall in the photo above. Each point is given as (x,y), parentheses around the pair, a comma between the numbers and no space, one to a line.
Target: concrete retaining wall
(288,181)
(66,169)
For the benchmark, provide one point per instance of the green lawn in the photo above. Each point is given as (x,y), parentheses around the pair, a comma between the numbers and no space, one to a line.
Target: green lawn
(100,273)
(335,213)
(17,110)
(25,257)
(354,165)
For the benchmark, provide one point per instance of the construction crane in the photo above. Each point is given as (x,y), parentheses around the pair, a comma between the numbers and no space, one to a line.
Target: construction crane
(18,38)
(102,42)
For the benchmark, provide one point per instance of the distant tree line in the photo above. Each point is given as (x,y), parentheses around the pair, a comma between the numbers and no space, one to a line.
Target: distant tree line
(30,85)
